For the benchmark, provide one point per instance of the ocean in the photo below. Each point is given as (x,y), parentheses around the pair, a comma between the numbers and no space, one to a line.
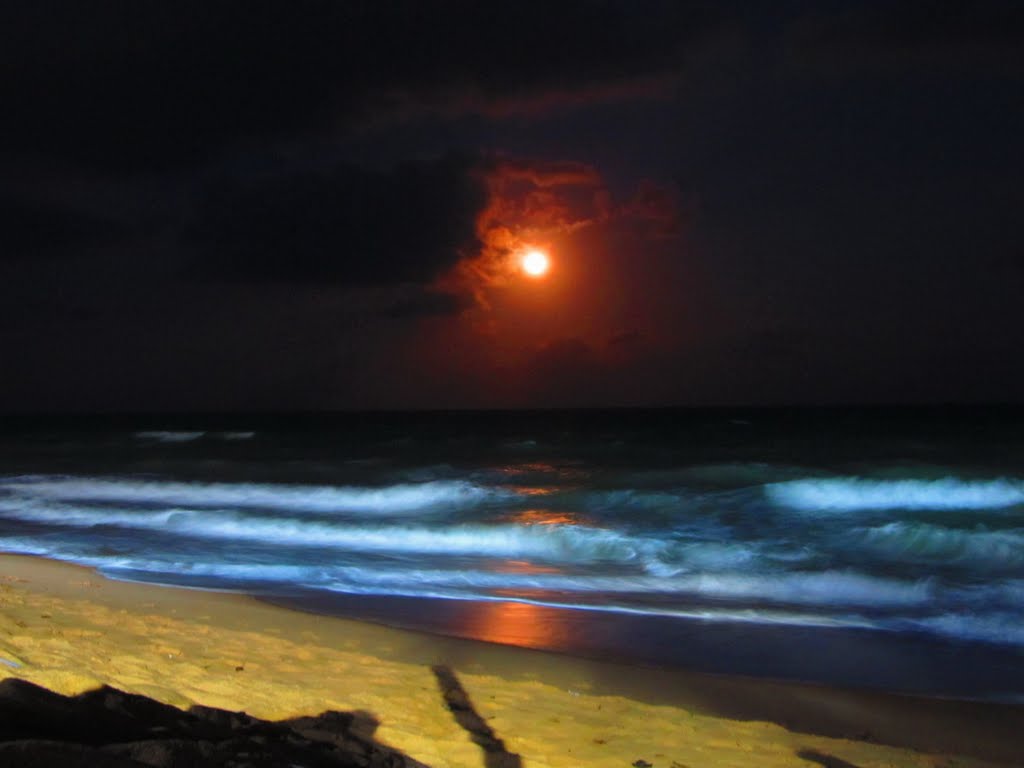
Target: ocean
(879,548)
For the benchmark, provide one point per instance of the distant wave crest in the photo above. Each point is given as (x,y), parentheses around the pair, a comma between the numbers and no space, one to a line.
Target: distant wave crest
(856,494)
(407,497)
(558,542)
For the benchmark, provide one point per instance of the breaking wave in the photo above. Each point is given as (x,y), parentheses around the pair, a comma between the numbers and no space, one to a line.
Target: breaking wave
(705,543)
(393,499)
(832,589)
(980,548)
(555,542)
(855,494)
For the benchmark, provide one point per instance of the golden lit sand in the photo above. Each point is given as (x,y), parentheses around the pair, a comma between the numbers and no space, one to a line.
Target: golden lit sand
(70,630)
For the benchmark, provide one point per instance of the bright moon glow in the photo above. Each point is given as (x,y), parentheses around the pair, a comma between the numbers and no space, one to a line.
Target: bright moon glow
(535,263)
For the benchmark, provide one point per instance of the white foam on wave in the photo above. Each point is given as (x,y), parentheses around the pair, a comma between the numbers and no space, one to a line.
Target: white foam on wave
(557,542)
(392,499)
(571,545)
(706,556)
(981,549)
(997,628)
(117,564)
(453,586)
(832,590)
(854,494)
(805,588)
(822,589)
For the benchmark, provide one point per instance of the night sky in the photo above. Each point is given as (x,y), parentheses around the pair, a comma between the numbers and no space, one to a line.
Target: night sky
(323,205)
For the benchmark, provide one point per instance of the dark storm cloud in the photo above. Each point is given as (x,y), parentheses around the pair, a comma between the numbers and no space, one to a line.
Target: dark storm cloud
(346,225)
(140,85)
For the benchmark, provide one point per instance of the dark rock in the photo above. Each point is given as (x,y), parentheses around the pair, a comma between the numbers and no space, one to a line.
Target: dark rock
(166,753)
(107,728)
(34,753)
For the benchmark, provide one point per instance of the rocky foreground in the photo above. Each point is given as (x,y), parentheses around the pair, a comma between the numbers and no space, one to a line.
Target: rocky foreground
(108,728)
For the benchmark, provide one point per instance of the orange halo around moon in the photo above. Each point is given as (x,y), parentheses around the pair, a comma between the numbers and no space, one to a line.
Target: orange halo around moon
(535,262)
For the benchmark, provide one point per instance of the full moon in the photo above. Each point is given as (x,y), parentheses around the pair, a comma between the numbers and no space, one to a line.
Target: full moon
(535,263)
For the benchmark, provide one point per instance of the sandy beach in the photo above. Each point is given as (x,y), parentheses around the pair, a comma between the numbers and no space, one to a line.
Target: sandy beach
(446,702)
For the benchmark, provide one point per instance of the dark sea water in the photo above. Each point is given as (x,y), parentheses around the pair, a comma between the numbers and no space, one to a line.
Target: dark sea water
(882,548)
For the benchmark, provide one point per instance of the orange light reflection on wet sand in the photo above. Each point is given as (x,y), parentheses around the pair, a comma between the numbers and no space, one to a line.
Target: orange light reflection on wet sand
(514,623)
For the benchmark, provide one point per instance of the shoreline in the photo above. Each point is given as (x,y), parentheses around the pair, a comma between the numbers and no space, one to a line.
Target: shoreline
(71,629)
(844,658)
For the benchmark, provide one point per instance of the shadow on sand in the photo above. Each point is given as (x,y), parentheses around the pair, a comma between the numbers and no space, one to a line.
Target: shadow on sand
(108,728)
(823,759)
(461,707)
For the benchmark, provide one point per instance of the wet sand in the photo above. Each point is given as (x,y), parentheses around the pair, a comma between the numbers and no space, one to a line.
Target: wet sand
(448,702)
